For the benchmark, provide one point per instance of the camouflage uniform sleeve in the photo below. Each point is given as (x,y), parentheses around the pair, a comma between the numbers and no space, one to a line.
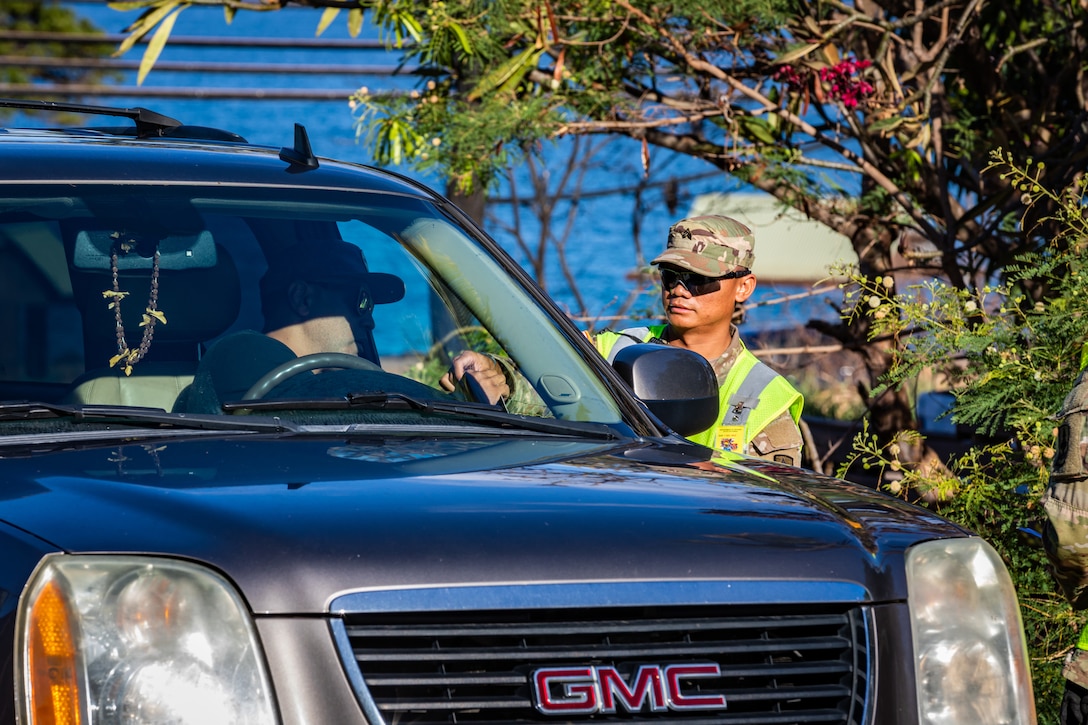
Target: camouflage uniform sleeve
(523,398)
(1065,537)
(780,441)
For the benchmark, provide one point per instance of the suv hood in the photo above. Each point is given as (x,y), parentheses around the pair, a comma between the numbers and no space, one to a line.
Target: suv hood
(295,522)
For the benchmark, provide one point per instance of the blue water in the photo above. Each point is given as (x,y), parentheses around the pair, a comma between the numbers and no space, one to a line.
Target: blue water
(601,248)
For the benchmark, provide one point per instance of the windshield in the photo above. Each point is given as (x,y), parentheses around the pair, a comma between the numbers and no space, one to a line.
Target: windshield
(241,301)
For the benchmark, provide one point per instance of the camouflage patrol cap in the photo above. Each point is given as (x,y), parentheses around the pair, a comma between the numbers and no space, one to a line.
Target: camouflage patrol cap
(709,245)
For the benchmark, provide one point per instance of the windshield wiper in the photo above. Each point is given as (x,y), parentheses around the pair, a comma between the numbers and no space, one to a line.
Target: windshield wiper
(125,415)
(399,401)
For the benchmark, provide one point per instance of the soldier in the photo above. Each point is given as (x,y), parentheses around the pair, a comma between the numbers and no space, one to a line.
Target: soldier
(1065,535)
(706,270)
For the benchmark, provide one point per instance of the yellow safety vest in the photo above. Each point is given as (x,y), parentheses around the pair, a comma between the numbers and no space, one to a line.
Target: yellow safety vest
(752,396)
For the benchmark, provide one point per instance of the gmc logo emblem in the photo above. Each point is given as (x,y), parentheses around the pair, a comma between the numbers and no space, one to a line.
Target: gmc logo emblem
(586,690)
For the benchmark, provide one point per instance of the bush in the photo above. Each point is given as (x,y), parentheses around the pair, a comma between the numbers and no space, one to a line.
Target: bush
(1012,348)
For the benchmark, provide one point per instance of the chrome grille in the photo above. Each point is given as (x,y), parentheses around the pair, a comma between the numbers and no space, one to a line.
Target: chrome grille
(793,664)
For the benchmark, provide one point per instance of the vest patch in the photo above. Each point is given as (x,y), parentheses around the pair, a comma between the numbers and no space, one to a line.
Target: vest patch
(731,438)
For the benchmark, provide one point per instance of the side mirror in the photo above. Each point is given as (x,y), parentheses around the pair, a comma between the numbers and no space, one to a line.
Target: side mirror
(677,385)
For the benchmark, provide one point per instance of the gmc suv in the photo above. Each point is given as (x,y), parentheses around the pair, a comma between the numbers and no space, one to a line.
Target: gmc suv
(343,539)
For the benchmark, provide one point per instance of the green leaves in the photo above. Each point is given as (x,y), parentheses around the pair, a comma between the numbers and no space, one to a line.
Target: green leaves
(161,13)
(399,19)
(1008,349)
(157,43)
(507,76)
(467,46)
(355,22)
(758,129)
(387,126)
(801,51)
(328,15)
(397,140)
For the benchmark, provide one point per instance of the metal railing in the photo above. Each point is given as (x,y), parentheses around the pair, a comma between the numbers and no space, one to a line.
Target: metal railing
(130,90)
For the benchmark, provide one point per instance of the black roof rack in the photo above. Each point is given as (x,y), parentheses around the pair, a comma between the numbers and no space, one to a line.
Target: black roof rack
(148,123)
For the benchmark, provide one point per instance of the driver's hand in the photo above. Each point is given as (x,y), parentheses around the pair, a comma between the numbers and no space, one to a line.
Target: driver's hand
(486,372)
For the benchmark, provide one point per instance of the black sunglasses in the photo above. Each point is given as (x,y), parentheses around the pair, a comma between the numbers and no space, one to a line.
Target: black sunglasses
(697,284)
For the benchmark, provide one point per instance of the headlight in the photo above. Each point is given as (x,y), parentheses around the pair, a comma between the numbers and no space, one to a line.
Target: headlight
(106,640)
(971,661)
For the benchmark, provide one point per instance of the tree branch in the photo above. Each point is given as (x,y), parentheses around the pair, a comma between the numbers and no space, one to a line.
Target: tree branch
(766,105)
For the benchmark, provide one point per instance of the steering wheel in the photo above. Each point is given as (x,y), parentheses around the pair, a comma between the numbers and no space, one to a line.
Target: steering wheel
(471,390)
(305,364)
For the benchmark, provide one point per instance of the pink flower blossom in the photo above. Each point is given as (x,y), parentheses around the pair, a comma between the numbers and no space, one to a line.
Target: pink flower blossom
(843,86)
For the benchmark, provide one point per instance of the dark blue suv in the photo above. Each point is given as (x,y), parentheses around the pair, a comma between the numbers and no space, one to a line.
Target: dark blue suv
(203,522)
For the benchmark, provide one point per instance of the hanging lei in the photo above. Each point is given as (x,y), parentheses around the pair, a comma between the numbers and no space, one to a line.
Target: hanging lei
(126,356)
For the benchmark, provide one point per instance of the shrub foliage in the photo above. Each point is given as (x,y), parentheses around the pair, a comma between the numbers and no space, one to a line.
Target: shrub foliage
(1010,349)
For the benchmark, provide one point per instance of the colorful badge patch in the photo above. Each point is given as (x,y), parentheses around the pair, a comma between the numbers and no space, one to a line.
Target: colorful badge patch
(731,438)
